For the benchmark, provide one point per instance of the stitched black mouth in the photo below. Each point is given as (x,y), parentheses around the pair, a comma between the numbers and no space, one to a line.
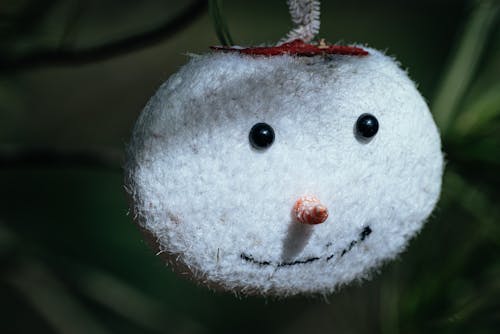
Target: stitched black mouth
(361,237)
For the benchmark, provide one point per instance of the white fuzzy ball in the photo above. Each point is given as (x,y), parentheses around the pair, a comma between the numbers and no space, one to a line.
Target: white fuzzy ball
(222,210)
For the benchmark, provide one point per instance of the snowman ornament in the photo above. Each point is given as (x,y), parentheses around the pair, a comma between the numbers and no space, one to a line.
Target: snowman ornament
(284,170)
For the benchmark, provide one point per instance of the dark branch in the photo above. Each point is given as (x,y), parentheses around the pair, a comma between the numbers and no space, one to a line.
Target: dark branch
(11,158)
(61,57)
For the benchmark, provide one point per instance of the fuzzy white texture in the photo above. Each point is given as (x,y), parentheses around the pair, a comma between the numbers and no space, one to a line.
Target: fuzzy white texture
(222,210)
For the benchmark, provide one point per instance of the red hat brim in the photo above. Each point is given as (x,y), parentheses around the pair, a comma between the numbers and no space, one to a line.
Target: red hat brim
(297,48)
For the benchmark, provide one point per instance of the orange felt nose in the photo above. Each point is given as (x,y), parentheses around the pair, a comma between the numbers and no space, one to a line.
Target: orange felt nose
(309,210)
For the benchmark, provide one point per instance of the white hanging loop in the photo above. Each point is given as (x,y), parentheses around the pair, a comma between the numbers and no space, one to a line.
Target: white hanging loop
(305,17)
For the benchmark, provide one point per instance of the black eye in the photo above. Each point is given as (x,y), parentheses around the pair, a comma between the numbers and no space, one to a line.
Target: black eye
(366,126)
(261,136)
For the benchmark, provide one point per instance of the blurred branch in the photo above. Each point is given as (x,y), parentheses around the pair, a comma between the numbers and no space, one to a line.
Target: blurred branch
(482,209)
(463,65)
(481,113)
(220,24)
(483,214)
(52,300)
(68,56)
(7,239)
(389,302)
(11,158)
(131,303)
(72,22)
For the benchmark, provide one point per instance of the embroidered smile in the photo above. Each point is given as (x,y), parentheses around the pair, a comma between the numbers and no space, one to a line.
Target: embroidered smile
(361,237)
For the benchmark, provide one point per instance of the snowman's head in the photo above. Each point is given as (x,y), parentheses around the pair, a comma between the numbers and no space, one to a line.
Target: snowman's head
(284,175)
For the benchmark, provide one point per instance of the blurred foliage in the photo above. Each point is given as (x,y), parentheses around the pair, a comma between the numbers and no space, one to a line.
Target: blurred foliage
(220,25)
(71,261)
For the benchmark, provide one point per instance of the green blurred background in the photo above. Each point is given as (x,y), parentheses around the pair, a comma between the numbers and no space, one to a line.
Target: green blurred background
(71,261)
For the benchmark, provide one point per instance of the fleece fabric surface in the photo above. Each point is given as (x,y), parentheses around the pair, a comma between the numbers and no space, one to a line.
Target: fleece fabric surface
(221,210)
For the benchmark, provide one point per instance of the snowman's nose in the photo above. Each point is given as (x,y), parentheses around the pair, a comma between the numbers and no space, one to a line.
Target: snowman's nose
(309,210)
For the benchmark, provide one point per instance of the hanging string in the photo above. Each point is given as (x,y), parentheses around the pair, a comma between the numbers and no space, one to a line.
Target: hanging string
(305,17)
